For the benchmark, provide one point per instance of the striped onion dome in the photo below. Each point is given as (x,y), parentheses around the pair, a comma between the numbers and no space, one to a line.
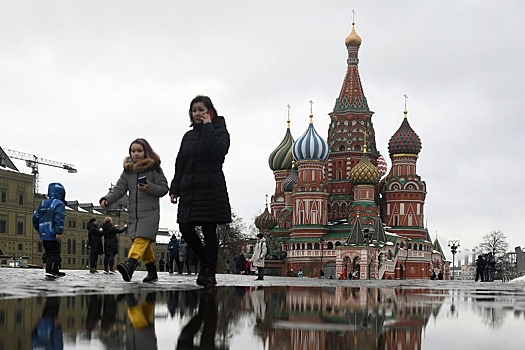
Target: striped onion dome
(365,173)
(265,221)
(281,157)
(290,181)
(310,146)
(405,139)
(382,165)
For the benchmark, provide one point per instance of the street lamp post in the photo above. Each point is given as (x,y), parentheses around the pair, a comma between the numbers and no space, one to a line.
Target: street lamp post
(368,232)
(454,245)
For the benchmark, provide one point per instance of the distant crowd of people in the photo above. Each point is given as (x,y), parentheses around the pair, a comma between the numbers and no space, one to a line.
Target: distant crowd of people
(485,267)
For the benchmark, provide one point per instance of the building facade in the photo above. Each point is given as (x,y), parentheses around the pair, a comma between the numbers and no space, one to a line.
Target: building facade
(338,208)
(19,239)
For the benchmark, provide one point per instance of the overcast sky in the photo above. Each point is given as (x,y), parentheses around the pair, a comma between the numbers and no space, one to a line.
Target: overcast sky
(79,80)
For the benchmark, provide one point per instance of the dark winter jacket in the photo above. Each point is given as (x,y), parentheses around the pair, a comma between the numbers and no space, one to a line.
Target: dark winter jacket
(110,237)
(143,207)
(49,218)
(199,180)
(173,248)
(95,238)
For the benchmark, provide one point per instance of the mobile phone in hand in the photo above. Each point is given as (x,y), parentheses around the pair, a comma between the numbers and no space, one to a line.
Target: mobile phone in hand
(142,180)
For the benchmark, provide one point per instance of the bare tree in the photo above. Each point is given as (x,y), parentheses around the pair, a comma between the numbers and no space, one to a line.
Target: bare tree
(231,238)
(494,242)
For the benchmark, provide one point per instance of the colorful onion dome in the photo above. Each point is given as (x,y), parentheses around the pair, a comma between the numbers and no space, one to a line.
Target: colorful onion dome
(382,165)
(281,157)
(290,181)
(265,221)
(310,146)
(353,39)
(365,173)
(405,140)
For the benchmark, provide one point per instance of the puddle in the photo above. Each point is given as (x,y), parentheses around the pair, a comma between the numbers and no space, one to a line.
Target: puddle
(276,317)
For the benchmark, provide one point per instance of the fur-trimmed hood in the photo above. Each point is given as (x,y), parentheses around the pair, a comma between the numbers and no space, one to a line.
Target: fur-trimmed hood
(139,167)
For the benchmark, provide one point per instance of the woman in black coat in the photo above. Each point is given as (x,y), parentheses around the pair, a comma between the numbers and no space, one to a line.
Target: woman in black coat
(95,244)
(199,186)
(110,243)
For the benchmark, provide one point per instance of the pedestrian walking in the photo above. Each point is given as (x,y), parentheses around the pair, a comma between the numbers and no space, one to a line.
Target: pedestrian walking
(259,254)
(173,248)
(110,233)
(480,268)
(183,256)
(199,185)
(95,245)
(193,261)
(48,220)
(239,261)
(161,265)
(144,182)
(227,266)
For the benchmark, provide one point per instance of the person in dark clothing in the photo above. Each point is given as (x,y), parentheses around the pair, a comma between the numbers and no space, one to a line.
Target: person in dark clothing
(110,232)
(161,265)
(491,267)
(192,262)
(240,262)
(173,248)
(480,268)
(96,247)
(199,185)
(48,220)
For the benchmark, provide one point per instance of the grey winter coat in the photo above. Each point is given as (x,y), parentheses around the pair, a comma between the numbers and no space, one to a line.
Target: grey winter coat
(199,181)
(143,207)
(259,253)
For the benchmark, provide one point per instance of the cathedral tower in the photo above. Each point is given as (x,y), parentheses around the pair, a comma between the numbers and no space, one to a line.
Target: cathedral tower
(403,190)
(351,120)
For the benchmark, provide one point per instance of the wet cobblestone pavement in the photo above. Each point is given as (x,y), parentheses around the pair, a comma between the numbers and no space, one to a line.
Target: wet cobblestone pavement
(101,311)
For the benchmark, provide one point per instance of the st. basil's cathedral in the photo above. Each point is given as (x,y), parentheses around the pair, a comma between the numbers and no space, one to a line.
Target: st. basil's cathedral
(337,210)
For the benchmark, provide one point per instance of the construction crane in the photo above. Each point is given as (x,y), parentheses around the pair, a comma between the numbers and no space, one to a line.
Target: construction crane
(33,161)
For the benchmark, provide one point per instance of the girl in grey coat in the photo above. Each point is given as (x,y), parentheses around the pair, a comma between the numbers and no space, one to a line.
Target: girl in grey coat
(145,183)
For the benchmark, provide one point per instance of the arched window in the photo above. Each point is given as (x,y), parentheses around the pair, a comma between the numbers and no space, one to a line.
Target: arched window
(69,246)
(316,246)
(3,226)
(309,246)
(74,246)
(21,199)
(4,197)
(337,244)
(330,245)
(342,148)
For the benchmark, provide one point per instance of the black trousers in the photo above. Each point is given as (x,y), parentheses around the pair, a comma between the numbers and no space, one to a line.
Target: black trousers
(206,252)
(93,259)
(52,249)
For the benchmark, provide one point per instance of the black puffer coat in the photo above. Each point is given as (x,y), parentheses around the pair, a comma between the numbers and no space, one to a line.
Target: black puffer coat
(199,181)
(110,237)
(95,238)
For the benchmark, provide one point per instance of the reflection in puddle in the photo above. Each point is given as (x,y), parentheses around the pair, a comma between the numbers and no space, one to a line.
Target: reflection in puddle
(268,318)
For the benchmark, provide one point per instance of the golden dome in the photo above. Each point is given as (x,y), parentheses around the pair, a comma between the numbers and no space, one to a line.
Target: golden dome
(353,39)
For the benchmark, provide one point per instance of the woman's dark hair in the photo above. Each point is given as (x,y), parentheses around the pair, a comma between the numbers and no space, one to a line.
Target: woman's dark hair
(92,219)
(148,151)
(207,102)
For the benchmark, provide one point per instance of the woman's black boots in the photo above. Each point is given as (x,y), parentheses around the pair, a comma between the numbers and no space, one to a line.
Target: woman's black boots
(127,269)
(152,273)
